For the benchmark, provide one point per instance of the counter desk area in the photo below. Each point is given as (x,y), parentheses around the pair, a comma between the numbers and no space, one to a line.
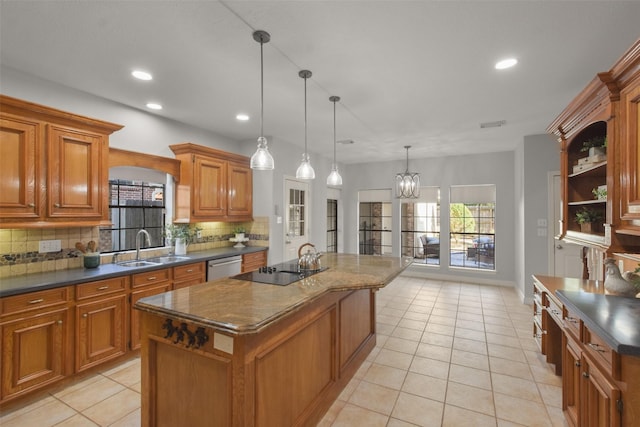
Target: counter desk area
(240,353)
(593,339)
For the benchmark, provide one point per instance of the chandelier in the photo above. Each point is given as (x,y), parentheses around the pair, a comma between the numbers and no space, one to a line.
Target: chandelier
(407,183)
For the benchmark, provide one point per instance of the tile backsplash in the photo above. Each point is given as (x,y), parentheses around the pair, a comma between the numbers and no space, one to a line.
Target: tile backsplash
(19,247)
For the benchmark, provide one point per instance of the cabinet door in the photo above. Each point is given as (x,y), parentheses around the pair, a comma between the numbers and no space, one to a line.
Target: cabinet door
(34,351)
(76,179)
(630,155)
(20,149)
(100,331)
(600,398)
(571,374)
(209,192)
(135,314)
(240,191)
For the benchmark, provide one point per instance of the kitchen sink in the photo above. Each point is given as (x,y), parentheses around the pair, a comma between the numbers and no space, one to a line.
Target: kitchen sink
(169,258)
(138,263)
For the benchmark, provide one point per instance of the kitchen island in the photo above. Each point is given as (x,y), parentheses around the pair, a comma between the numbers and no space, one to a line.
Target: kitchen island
(239,353)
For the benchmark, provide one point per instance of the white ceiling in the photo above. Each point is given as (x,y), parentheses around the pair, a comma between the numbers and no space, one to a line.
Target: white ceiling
(414,73)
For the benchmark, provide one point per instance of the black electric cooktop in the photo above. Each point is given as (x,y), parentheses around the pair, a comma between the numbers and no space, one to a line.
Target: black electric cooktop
(280,274)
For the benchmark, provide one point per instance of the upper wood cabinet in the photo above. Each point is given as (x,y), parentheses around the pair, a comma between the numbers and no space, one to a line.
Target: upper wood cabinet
(213,185)
(607,107)
(53,166)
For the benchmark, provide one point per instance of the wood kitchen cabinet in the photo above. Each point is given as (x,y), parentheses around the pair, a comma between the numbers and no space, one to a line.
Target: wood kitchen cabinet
(20,148)
(35,341)
(630,159)
(101,321)
(590,397)
(145,285)
(607,107)
(213,185)
(54,167)
(189,274)
(254,261)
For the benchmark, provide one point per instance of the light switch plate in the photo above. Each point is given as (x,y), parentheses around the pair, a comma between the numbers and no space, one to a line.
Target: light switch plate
(49,246)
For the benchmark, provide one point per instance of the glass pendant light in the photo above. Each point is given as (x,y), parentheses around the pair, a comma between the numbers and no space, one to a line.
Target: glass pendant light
(305,171)
(334,179)
(262,158)
(407,183)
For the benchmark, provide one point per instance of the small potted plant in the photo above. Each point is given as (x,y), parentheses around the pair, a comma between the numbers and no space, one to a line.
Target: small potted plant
(239,232)
(595,145)
(589,220)
(179,236)
(600,193)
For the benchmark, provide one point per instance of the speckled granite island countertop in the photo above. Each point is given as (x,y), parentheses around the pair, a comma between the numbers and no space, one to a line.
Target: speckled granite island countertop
(615,319)
(241,307)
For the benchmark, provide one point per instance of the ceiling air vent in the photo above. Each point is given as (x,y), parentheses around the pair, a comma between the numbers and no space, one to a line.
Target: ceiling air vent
(493,124)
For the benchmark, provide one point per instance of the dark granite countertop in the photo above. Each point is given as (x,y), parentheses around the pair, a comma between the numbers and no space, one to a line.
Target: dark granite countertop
(39,281)
(242,307)
(614,319)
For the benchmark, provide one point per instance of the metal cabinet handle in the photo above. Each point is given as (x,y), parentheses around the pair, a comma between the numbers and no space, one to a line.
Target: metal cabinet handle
(57,205)
(596,347)
(59,322)
(577,364)
(31,205)
(85,315)
(102,288)
(190,270)
(585,374)
(572,319)
(151,278)
(36,301)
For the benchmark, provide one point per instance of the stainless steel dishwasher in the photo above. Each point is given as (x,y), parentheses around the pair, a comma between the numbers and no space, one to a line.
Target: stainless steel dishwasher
(224,267)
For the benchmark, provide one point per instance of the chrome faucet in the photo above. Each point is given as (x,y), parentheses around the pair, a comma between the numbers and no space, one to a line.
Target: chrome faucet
(142,231)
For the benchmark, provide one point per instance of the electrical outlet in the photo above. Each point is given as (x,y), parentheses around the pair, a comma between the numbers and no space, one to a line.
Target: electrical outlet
(199,234)
(49,246)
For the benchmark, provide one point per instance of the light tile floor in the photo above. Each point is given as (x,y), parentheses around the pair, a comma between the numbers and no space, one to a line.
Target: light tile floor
(447,354)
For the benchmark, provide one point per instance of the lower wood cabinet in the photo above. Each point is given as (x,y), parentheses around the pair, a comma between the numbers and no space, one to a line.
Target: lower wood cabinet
(34,352)
(602,405)
(101,331)
(135,314)
(48,335)
(590,395)
(189,274)
(254,261)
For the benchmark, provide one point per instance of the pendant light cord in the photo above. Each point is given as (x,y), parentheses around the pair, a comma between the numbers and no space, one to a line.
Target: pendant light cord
(334,132)
(305,116)
(261,91)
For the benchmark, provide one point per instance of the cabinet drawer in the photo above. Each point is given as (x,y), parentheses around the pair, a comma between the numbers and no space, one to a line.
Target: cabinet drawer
(189,270)
(101,287)
(254,260)
(35,300)
(602,353)
(554,310)
(151,277)
(572,323)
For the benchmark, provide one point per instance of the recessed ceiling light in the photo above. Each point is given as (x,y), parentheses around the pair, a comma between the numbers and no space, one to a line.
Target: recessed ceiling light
(242,117)
(506,63)
(154,106)
(141,75)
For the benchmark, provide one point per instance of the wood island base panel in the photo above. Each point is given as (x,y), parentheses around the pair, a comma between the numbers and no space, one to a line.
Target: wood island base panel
(281,357)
